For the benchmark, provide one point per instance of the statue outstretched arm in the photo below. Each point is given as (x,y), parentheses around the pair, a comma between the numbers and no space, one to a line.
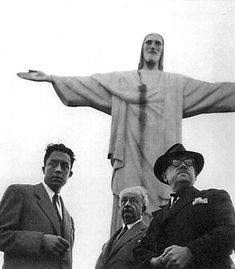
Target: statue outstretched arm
(75,91)
(204,97)
(35,75)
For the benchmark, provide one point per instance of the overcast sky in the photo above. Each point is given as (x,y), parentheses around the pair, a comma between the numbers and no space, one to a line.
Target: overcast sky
(65,37)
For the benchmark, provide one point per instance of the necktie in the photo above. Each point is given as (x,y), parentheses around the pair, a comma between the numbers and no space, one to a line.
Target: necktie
(175,198)
(118,237)
(122,232)
(55,201)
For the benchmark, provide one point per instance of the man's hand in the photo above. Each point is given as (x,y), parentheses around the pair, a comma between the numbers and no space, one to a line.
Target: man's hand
(156,262)
(175,257)
(54,244)
(35,76)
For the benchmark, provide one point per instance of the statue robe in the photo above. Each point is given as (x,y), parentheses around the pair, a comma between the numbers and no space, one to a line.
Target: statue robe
(144,123)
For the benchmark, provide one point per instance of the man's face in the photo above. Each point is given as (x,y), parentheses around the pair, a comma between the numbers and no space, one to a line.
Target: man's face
(152,48)
(57,170)
(131,207)
(180,173)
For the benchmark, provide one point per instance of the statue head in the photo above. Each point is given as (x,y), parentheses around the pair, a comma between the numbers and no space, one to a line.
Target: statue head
(152,52)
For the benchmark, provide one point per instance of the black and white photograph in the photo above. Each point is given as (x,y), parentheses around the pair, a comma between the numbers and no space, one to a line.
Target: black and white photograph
(101,103)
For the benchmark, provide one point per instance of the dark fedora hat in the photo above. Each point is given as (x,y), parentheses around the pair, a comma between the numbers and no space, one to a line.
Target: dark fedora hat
(175,151)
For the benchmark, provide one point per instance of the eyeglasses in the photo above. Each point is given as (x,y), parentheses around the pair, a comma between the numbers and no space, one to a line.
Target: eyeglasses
(187,162)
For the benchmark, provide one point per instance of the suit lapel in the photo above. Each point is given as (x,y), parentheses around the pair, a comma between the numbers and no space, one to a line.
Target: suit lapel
(129,235)
(66,220)
(164,212)
(45,204)
(108,246)
(187,198)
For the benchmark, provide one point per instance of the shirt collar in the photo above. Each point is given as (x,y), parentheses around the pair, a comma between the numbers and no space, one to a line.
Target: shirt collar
(129,226)
(49,191)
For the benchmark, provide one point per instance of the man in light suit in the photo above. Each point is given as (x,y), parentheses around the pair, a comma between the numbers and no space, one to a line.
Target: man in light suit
(36,230)
(196,229)
(117,253)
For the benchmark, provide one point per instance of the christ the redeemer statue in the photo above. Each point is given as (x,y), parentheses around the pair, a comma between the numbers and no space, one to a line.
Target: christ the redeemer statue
(147,106)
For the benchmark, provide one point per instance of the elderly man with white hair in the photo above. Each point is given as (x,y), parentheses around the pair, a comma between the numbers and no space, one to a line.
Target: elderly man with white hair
(117,252)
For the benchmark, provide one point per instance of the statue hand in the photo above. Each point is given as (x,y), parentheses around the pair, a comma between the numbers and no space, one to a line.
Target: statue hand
(35,76)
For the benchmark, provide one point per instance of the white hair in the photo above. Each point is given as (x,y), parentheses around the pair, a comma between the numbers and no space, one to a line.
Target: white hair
(139,190)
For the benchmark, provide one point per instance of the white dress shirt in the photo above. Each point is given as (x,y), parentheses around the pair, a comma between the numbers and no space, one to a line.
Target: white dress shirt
(51,193)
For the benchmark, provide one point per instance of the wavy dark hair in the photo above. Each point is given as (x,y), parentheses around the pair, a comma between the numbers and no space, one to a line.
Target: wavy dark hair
(59,147)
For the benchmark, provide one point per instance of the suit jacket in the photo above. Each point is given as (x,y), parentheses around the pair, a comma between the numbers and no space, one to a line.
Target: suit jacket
(119,255)
(203,221)
(26,213)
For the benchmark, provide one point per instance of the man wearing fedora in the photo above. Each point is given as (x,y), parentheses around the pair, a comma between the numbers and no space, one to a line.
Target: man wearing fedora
(196,229)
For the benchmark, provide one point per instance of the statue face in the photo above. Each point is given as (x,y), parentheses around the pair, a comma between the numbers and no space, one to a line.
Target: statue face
(152,49)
